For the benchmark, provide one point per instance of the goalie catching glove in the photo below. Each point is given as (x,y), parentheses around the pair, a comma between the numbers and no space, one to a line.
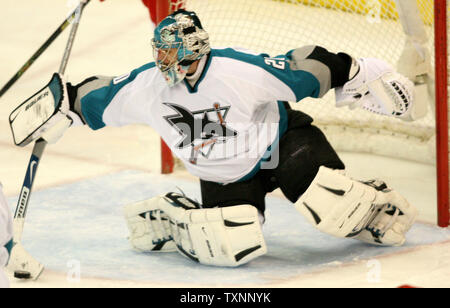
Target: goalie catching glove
(45,115)
(366,211)
(377,88)
(229,236)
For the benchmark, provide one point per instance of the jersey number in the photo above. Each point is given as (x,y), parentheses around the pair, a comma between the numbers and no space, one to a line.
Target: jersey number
(277,63)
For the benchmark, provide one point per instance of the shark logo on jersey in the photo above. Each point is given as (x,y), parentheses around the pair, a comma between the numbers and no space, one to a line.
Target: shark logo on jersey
(198,130)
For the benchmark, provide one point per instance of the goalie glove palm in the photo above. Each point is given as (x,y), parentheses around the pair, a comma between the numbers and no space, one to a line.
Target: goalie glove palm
(379,89)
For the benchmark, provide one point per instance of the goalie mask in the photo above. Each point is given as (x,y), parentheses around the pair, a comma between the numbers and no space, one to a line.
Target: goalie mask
(179,40)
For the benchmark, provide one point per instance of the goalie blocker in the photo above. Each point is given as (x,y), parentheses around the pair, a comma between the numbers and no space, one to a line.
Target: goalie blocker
(44,115)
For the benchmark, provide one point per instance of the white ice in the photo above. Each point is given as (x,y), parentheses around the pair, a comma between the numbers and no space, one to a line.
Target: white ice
(86,178)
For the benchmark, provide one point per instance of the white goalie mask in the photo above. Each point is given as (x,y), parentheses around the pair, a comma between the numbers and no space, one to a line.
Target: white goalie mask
(179,40)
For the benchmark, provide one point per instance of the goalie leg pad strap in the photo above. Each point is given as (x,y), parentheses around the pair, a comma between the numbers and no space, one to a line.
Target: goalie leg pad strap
(395,217)
(149,227)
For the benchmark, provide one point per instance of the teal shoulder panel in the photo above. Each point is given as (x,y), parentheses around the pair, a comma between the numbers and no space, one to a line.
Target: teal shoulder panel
(302,83)
(94,104)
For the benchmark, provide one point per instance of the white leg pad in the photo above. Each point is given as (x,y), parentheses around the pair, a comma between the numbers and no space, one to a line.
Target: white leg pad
(334,203)
(229,236)
(343,207)
(149,227)
(390,225)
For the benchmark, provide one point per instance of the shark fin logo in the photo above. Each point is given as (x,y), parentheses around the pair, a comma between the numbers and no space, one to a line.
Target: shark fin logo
(198,130)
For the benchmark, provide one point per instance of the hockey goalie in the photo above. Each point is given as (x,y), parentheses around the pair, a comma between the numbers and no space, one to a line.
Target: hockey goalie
(224,113)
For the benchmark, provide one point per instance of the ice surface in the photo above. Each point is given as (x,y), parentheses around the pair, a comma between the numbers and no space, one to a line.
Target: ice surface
(83,222)
(85,179)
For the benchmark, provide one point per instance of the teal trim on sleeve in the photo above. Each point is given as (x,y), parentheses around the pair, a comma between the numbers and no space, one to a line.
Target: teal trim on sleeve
(56,89)
(94,104)
(9,246)
(302,83)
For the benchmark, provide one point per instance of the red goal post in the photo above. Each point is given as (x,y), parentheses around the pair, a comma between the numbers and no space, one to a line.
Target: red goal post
(442,111)
(162,9)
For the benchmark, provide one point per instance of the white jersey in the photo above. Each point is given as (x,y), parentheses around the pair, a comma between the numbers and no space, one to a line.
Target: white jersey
(224,127)
(6,233)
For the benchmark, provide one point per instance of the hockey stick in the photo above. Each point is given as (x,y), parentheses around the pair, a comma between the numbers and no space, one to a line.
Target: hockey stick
(41,50)
(21,262)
